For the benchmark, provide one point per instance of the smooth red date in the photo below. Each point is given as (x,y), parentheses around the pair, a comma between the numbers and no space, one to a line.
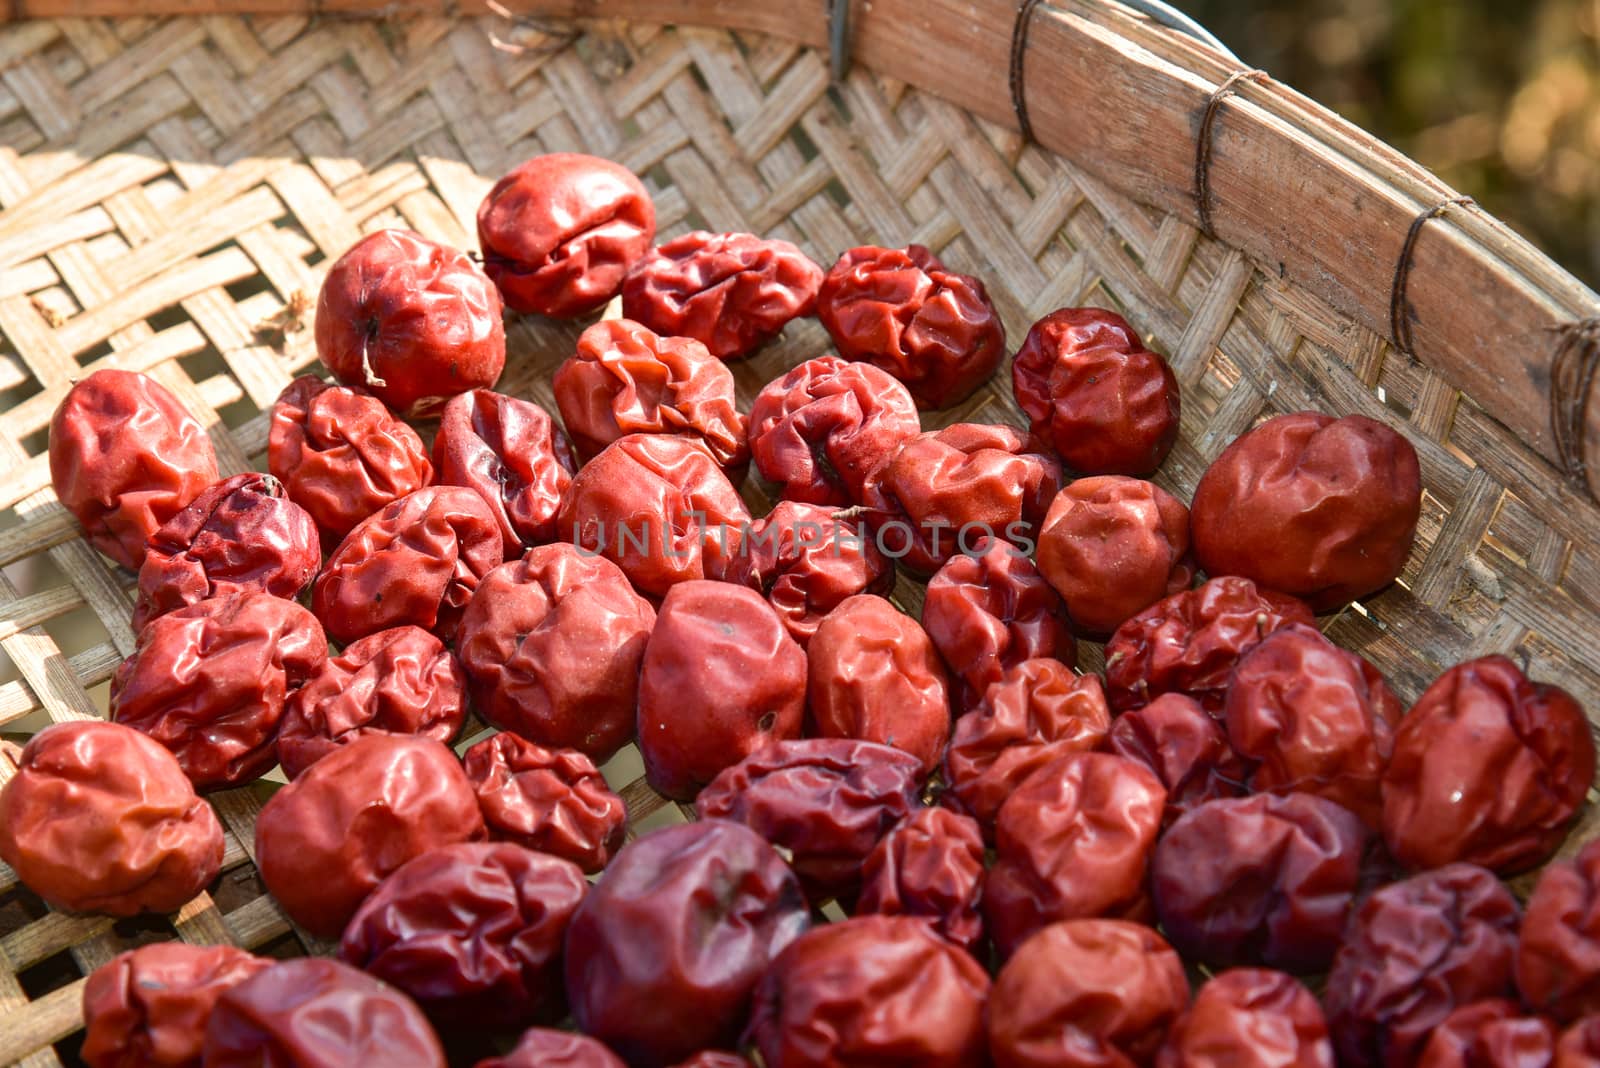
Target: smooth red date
(627,379)
(541,1047)
(240,534)
(1558,954)
(1189,643)
(1187,749)
(341,454)
(508,452)
(1105,403)
(929,865)
(1086,994)
(416,562)
(1489,767)
(1316,507)
(1490,1034)
(211,682)
(125,457)
(560,232)
(397,681)
(874,675)
(904,312)
(552,644)
(552,800)
(414,321)
(1113,547)
(1250,1018)
(824,428)
(867,992)
(730,292)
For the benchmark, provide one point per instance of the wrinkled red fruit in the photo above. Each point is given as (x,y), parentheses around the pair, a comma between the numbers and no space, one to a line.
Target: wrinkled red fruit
(414,321)
(544,1048)
(664,952)
(341,454)
(551,645)
(1488,767)
(730,292)
(1579,1046)
(473,932)
(509,453)
(867,992)
(560,232)
(874,675)
(1490,1034)
(1558,954)
(904,312)
(552,800)
(1415,951)
(721,678)
(627,379)
(125,457)
(1189,643)
(712,1058)
(1086,994)
(1104,402)
(1113,547)
(1187,749)
(824,428)
(828,801)
(241,534)
(1250,1018)
(929,865)
(325,841)
(210,682)
(1317,507)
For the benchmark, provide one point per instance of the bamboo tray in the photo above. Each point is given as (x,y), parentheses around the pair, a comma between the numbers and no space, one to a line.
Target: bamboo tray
(171,190)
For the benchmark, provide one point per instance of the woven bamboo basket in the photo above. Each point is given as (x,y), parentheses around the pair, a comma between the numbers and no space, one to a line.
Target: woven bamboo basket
(173,188)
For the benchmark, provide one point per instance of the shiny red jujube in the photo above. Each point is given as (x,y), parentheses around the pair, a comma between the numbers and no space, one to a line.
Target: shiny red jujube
(509,453)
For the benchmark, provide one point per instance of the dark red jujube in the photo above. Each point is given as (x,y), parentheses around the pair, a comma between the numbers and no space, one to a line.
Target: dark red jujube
(510,453)
(125,457)
(1558,953)
(713,1058)
(1186,748)
(1579,1046)
(1490,1034)
(1250,1018)
(930,865)
(552,800)
(541,1047)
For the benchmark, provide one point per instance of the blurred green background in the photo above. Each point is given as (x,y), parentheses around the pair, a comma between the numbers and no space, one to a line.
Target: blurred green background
(1500,98)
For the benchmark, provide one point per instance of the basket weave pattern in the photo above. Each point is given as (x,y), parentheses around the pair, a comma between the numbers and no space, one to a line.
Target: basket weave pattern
(173,190)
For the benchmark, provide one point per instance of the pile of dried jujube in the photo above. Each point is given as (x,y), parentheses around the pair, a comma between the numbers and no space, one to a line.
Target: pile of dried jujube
(1032,856)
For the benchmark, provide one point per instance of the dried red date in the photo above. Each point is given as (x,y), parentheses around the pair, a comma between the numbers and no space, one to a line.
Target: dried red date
(1189,643)
(806,561)
(560,232)
(125,457)
(721,678)
(552,800)
(1262,879)
(210,682)
(318,1013)
(657,506)
(1113,547)
(712,1058)
(730,292)
(552,644)
(1488,767)
(1414,952)
(139,840)
(472,931)
(827,801)
(904,312)
(509,453)
(627,379)
(1086,994)
(341,455)
(1072,842)
(946,491)
(874,675)
(1579,1046)
(1490,1034)
(1037,711)
(147,1008)
(989,611)
(1558,955)
(397,681)
(240,534)
(416,562)
(544,1048)
(826,426)
(1250,1018)
(1314,718)
(1105,403)
(664,952)
(327,839)
(929,865)
(1187,749)
(867,992)
(1317,507)
(414,321)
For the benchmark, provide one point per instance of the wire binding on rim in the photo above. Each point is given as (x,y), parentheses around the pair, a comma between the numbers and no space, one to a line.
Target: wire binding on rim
(1202,145)
(1573,374)
(1399,309)
(1019,52)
